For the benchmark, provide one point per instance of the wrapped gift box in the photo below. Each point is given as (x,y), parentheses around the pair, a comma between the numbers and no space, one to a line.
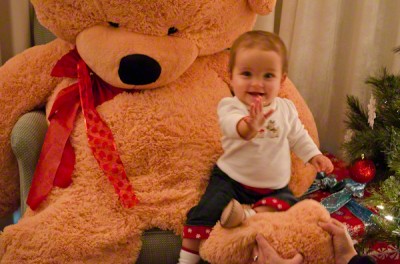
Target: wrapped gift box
(382,252)
(354,225)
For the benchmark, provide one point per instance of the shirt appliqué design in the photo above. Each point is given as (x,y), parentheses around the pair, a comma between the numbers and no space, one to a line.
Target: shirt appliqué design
(273,130)
(270,130)
(261,133)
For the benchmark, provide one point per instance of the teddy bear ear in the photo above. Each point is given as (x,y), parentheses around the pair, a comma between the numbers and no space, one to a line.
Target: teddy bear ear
(262,7)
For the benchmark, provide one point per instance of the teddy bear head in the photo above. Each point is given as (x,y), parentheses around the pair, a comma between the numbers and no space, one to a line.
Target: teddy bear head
(140,44)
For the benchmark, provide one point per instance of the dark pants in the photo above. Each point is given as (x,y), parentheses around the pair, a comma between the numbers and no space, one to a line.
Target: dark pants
(220,191)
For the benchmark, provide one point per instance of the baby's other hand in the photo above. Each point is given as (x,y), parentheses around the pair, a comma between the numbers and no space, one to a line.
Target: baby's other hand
(322,163)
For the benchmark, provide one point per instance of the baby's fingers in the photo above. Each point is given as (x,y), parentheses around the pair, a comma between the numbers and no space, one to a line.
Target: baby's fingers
(326,165)
(269,113)
(259,104)
(252,111)
(317,165)
(256,104)
(330,167)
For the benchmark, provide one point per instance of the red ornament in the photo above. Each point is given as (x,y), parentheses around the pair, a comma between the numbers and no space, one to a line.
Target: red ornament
(362,171)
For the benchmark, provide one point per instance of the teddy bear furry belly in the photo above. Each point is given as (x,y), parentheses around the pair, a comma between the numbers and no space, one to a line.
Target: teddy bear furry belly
(168,139)
(294,230)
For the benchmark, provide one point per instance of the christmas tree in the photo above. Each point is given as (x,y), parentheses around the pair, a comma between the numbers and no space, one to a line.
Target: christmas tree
(374,133)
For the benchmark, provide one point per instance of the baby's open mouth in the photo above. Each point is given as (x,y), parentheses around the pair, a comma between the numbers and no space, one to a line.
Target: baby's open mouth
(256,94)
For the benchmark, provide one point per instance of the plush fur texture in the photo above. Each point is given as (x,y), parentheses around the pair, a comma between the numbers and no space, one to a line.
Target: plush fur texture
(288,232)
(167,134)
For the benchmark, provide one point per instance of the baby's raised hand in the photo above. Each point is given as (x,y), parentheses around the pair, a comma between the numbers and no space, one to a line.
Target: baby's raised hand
(322,163)
(256,118)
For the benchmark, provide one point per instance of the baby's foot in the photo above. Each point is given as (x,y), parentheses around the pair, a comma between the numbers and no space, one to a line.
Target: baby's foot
(234,214)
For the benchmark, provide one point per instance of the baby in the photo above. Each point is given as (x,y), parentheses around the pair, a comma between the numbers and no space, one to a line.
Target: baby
(259,131)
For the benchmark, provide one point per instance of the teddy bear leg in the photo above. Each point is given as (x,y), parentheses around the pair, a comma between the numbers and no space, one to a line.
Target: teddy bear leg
(75,236)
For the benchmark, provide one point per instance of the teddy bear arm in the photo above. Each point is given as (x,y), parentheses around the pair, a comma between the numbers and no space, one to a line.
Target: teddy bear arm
(25,84)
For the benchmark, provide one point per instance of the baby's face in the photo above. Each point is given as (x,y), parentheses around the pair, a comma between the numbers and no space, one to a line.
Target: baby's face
(257,73)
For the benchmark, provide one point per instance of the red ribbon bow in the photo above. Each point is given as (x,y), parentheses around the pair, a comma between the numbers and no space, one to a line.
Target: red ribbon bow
(57,159)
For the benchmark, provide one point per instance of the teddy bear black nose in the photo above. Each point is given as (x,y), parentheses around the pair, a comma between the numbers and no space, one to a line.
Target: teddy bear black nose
(138,69)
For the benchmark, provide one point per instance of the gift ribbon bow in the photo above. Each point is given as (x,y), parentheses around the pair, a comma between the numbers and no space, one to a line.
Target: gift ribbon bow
(337,200)
(344,197)
(57,158)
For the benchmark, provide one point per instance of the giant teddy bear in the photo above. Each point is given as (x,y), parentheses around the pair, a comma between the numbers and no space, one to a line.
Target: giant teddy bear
(138,155)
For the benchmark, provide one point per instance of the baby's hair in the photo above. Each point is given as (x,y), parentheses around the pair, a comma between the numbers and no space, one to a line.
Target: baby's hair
(262,40)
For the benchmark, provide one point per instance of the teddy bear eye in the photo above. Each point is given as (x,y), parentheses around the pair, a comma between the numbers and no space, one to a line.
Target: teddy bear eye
(113,24)
(172,30)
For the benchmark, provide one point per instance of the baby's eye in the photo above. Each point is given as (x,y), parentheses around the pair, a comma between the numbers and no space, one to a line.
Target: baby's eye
(268,75)
(246,73)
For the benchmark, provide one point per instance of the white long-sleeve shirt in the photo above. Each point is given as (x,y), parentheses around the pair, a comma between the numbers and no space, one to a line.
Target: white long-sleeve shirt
(264,161)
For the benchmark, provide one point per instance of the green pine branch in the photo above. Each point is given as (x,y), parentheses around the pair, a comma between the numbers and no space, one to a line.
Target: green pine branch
(357,116)
(387,221)
(393,150)
(380,143)
(365,143)
(374,142)
(386,90)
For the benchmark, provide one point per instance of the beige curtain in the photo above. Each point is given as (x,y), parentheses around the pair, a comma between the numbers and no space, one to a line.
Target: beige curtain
(14,28)
(334,45)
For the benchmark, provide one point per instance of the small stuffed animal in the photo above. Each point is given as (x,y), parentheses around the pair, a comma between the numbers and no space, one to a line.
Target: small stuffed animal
(295,230)
(131,90)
